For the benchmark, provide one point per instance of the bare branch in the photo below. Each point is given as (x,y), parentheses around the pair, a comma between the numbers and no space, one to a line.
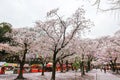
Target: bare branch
(64,56)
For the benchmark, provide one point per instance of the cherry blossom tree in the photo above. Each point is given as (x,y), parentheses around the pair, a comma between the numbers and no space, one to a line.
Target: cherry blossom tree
(92,47)
(114,53)
(68,51)
(6,49)
(82,49)
(5,28)
(111,4)
(23,39)
(109,51)
(85,53)
(60,32)
(40,49)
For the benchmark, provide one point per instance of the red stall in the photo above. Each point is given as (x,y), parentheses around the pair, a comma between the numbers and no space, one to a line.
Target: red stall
(35,68)
(2,68)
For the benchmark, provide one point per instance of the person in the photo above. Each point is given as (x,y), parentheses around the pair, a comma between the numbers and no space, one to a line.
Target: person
(15,70)
(3,70)
(104,69)
(101,69)
(72,66)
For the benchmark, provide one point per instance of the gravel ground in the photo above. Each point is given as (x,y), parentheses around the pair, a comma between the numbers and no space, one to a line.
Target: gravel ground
(71,75)
(114,73)
(101,75)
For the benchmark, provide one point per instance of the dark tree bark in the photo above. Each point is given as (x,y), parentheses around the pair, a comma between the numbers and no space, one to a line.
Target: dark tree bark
(113,64)
(22,62)
(59,36)
(89,64)
(43,69)
(82,68)
(54,66)
(67,68)
(20,74)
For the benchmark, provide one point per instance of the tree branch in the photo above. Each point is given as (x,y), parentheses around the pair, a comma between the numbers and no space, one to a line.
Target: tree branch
(64,56)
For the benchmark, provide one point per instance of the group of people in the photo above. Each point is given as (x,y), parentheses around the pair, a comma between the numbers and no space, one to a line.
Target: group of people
(103,68)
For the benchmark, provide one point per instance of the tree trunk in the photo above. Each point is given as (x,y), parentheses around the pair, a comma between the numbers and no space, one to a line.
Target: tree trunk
(112,65)
(88,66)
(67,66)
(54,67)
(54,71)
(82,68)
(72,66)
(20,74)
(22,62)
(114,69)
(43,69)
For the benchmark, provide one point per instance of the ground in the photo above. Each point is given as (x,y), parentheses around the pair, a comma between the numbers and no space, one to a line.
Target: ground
(71,75)
(101,75)
(95,74)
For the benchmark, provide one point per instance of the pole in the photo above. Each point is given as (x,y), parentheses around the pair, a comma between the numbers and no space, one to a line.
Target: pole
(75,75)
(96,76)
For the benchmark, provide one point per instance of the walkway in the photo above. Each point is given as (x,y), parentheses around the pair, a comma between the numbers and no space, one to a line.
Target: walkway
(100,75)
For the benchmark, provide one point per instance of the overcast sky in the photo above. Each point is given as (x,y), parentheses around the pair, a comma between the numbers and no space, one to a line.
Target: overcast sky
(23,13)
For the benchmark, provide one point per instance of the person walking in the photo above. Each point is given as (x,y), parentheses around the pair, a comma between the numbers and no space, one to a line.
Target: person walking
(104,69)
(101,69)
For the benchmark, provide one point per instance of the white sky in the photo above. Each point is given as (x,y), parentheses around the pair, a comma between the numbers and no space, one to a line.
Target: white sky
(23,13)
